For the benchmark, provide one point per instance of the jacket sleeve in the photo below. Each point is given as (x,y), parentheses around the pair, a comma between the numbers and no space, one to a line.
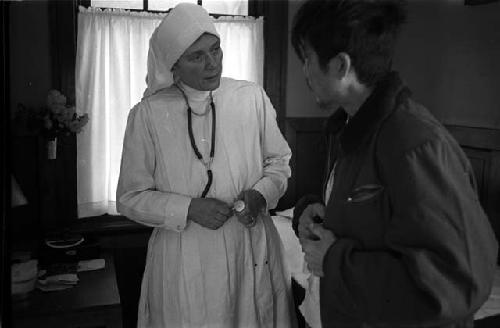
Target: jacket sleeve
(136,195)
(275,152)
(300,206)
(440,252)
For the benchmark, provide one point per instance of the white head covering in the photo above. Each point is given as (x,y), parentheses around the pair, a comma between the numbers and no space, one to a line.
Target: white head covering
(185,23)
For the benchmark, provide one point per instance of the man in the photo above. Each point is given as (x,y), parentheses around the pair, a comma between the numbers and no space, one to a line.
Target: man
(400,239)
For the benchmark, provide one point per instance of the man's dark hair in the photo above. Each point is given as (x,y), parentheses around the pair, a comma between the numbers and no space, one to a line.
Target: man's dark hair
(364,29)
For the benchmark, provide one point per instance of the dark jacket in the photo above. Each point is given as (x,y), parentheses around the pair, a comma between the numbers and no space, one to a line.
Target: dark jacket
(414,247)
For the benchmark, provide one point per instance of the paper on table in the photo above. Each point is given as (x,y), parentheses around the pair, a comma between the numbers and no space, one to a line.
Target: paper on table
(89,265)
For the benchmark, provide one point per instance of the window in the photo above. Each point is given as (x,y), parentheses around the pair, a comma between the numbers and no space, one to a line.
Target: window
(221,7)
(124,4)
(60,204)
(110,79)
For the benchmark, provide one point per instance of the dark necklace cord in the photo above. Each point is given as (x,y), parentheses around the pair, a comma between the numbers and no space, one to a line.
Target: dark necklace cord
(207,164)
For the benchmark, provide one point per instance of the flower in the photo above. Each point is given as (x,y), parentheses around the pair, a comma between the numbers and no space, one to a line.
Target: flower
(54,119)
(60,118)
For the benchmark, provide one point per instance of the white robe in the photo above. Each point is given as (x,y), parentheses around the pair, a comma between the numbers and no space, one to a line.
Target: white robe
(196,277)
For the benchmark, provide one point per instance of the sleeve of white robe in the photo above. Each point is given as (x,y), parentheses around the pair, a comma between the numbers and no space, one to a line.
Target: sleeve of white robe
(276,154)
(136,195)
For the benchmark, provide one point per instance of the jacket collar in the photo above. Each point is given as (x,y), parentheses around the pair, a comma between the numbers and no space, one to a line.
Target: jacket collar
(385,98)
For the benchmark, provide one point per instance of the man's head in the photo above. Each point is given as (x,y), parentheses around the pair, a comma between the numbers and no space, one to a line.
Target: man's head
(342,42)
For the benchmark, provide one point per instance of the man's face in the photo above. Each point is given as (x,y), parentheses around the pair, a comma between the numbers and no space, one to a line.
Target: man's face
(322,83)
(200,66)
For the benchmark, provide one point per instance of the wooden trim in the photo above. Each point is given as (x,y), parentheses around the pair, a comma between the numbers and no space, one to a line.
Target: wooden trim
(113,231)
(105,224)
(63,29)
(58,194)
(478,2)
(83,3)
(295,128)
(255,8)
(476,137)
(275,49)
(5,274)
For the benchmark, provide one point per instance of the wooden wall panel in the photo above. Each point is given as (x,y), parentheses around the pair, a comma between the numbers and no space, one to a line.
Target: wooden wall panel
(275,50)
(5,192)
(304,135)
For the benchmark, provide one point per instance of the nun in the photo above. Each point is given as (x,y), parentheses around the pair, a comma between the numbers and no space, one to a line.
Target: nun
(203,162)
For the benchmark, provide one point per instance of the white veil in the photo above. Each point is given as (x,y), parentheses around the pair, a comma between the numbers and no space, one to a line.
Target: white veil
(184,24)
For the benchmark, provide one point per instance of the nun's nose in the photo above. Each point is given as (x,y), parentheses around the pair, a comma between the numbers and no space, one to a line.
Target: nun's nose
(211,61)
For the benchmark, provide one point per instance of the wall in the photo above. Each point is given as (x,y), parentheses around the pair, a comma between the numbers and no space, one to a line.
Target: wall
(299,101)
(29,80)
(30,61)
(448,55)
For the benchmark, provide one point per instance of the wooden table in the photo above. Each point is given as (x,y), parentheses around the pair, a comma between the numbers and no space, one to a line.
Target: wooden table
(93,302)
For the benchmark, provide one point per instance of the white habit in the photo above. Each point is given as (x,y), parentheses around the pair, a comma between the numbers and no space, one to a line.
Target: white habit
(196,277)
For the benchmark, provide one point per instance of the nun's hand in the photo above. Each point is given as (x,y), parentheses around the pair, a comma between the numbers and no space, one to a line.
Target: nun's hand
(210,213)
(255,204)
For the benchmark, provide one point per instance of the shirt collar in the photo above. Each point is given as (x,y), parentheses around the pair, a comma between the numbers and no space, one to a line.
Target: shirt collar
(385,98)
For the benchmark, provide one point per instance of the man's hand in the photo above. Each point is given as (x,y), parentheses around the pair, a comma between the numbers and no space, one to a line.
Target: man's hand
(311,214)
(210,213)
(315,250)
(255,204)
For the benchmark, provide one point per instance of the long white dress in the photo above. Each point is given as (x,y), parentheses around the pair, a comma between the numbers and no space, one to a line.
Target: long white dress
(197,277)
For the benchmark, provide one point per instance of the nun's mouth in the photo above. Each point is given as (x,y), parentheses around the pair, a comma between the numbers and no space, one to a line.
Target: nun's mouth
(213,78)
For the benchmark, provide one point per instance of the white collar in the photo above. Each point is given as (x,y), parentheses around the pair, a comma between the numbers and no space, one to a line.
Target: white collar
(194,95)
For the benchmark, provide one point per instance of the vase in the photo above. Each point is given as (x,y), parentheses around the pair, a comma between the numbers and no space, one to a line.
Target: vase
(52,148)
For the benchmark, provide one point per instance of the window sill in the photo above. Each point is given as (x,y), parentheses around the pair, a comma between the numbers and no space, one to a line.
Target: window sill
(107,224)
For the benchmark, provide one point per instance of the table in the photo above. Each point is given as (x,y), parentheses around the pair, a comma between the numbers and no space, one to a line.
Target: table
(93,302)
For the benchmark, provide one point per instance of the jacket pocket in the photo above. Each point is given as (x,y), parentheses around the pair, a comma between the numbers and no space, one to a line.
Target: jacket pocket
(364,193)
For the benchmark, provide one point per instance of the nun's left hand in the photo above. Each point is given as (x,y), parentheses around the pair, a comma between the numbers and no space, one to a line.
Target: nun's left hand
(255,204)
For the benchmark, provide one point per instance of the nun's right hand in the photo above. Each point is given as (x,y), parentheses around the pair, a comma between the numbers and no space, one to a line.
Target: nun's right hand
(210,213)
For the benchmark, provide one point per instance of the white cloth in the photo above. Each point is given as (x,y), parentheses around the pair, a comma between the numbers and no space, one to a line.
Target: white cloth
(310,307)
(185,23)
(196,277)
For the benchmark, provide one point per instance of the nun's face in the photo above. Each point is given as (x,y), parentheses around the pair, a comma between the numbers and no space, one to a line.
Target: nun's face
(200,66)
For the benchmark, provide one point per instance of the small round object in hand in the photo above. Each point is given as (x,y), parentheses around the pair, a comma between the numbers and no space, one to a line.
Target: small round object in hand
(239,206)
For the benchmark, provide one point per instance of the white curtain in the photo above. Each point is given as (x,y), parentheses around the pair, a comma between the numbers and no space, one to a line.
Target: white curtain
(110,79)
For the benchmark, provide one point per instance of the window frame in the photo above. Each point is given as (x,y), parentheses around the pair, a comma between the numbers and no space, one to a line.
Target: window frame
(145,5)
(63,52)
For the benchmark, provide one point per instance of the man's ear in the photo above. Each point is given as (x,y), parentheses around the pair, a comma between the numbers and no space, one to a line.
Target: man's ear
(340,64)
